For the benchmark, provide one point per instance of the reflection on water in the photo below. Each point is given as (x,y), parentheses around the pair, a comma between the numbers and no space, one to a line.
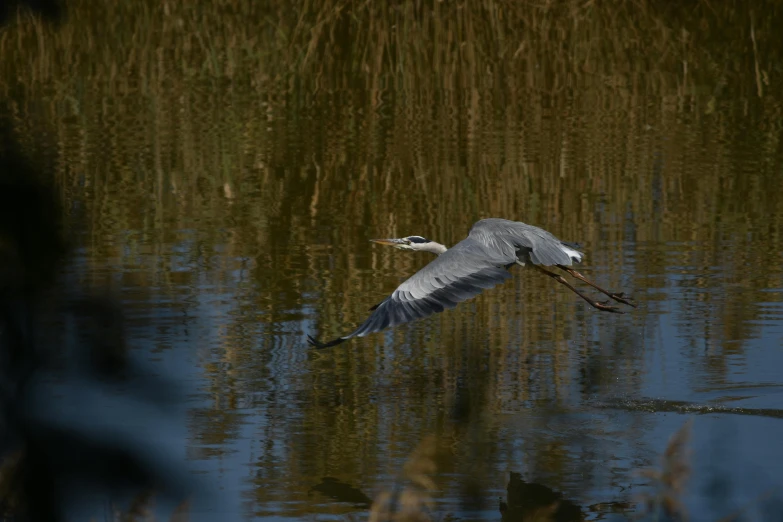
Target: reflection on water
(235,220)
(530,501)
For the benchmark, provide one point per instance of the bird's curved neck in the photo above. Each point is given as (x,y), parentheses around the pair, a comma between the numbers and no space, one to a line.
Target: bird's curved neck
(436,248)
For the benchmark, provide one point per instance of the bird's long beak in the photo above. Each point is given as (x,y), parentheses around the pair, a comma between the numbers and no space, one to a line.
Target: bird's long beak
(389,242)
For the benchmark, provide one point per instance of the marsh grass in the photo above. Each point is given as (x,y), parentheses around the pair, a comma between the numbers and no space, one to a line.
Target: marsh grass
(444,48)
(473,71)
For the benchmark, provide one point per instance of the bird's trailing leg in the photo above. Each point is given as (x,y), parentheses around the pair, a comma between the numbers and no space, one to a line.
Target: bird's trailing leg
(594,304)
(619,297)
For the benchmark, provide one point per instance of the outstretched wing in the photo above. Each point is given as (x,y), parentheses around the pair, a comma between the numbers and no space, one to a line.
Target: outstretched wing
(460,273)
(531,244)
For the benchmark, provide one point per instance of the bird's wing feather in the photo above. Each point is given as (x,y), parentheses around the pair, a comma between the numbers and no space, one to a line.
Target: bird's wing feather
(540,246)
(460,273)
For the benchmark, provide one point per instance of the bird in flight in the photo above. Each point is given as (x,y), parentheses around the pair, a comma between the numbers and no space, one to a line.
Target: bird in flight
(478,262)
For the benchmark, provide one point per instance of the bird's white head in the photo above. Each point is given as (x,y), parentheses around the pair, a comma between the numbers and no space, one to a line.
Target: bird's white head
(413,243)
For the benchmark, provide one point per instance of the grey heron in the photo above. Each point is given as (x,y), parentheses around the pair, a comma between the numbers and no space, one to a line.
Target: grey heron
(478,262)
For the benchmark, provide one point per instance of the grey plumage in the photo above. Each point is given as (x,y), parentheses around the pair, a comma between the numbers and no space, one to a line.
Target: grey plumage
(478,262)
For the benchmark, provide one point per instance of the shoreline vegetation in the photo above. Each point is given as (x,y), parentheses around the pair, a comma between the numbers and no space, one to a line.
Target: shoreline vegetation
(663,84)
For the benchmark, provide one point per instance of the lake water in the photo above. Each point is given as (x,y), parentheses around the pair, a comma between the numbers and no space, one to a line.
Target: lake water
(232,222)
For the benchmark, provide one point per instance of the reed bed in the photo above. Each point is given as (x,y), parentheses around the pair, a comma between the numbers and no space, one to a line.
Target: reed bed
(408,47)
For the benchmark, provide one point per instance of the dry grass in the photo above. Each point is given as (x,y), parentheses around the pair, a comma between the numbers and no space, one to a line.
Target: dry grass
(446,48)
(668,481)
(411,498)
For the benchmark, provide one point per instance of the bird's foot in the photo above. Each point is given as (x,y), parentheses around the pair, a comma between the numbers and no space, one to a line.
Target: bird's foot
(605,307)
(312,341)
(621,298)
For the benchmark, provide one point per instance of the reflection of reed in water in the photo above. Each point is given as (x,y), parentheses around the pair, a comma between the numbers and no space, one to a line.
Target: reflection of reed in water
(341,492)
(531,502)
